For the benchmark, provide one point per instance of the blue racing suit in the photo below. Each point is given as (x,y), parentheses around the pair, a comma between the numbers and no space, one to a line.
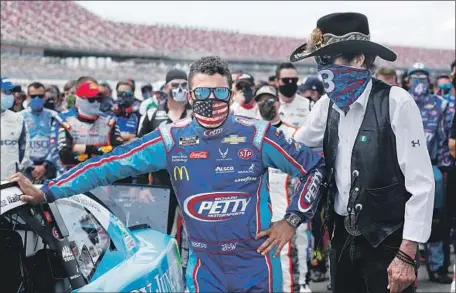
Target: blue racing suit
(221,182)
(434,112)
(43,129)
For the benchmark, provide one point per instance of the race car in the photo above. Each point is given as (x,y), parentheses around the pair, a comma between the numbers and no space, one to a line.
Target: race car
(78,245)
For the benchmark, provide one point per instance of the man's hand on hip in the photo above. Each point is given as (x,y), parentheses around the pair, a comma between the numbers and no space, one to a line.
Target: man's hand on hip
(279,234)
(32,195)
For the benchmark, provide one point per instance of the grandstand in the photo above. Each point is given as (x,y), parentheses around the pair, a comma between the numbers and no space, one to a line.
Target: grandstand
(46,33)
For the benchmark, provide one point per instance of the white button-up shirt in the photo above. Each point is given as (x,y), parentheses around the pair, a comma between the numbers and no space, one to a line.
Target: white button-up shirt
(413,159)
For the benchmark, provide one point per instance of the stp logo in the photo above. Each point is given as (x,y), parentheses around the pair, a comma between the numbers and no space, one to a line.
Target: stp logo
(245,154)
(199,155)
(213,132)
(217,206)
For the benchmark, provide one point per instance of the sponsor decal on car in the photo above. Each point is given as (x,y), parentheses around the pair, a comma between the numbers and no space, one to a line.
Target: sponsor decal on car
(213,132)
(199,155)
(234,139)
(67,255)
(217,206)
(189,140)
(245,154)
(56,234)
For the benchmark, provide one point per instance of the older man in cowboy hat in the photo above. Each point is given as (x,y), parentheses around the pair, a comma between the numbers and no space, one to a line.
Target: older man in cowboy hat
(381,191)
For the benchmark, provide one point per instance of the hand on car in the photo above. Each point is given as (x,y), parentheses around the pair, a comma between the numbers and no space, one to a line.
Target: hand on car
(32,195)
(279,234)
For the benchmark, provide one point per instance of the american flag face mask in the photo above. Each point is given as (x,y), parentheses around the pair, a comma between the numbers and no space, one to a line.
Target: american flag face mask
(210,113)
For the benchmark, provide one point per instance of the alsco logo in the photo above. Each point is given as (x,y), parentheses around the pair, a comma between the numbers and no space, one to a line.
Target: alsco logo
(179,173)
(217,206)
(199,155)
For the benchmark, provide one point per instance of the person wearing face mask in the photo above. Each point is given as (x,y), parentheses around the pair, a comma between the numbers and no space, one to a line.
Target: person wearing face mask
(218,165)
(444,88)
(107,103)
(149,99)
(126,111)
(88,133)
(174,109)
(312,90)
(380,178)
(243,102)
(293,107)
(436,116)
(293,256)
(14,148)
(42,123)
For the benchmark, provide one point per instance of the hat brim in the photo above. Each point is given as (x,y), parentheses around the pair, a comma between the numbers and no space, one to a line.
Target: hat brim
(350,46)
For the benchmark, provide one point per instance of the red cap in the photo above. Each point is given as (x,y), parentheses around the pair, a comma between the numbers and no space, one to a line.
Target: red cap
(88,90)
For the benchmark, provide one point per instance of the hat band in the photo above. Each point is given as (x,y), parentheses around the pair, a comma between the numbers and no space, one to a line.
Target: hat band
(329,39)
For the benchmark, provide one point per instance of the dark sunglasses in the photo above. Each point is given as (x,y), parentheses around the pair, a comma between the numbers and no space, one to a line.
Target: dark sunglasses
(220,93)
(288,80)
(175,85)
(38,96)
(326,59)
(124,94)
(96,99)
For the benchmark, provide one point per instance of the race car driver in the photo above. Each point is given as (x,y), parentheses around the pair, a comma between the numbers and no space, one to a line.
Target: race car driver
(87,133)
(15,151)
(281,186)
(224,197)
(43,125)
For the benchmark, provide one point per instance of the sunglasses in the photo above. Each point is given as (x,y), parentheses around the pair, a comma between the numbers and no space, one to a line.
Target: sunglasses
(418,76)
(97,99)
(288,80)
(124,94)
(176,85)
(326,59)
(38,96)
(445,86)
(220,93)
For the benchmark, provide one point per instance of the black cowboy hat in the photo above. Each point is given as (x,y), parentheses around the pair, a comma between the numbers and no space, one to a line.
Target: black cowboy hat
(339,33)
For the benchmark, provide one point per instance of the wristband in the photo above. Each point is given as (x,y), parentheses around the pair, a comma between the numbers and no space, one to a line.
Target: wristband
(404,257)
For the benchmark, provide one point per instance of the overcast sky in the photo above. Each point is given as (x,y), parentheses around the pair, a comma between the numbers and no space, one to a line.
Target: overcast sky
(409,23)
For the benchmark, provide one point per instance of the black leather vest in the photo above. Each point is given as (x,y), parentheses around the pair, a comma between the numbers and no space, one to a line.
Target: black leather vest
(377,194)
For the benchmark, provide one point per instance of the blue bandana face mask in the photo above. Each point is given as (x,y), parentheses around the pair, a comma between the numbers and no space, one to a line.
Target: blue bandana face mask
(344,84)
(419,87)
(36,104)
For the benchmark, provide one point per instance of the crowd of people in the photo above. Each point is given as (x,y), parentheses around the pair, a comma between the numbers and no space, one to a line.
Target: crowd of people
(47,131)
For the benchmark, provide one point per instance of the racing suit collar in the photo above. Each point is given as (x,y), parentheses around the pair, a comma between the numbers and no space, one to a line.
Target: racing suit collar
(201,130)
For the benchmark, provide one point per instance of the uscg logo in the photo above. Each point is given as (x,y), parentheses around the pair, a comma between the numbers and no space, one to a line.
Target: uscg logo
(217,206)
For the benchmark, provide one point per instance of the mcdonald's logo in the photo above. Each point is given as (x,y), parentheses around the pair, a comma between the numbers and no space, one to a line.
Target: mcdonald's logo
(181,171)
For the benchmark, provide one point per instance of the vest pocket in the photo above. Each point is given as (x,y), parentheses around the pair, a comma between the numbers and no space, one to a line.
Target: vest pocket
(386,203)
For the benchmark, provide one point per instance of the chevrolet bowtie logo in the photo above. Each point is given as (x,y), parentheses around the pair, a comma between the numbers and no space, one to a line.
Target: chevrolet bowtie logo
(179,172)
(234,139)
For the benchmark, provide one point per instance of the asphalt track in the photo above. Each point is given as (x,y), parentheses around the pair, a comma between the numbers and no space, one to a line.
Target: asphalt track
(424,285)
